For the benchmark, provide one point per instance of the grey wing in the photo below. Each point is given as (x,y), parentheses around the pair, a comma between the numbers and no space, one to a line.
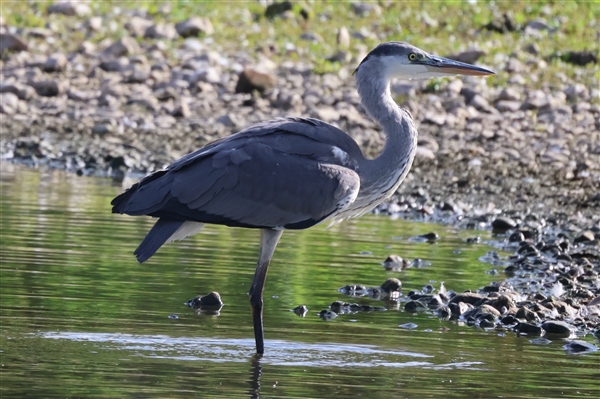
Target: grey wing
(251,183)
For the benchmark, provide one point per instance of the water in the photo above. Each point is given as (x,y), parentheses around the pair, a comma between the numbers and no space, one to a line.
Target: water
(81,319)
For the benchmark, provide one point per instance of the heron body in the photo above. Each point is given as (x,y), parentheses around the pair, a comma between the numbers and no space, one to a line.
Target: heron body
(289,173)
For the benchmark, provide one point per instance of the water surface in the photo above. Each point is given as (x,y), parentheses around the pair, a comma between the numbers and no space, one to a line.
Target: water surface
(80,318)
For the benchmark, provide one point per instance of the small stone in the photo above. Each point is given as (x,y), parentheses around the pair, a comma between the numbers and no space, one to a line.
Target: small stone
(161,31)
(585,237)
(12,42)
(9,103)
(48,88)
(181,110)
(395,262)
(365,9)
(343,38)
(55,63)
(137,26)
(173,316)
(124,46)
(69,8)
(194,26)
(251,79)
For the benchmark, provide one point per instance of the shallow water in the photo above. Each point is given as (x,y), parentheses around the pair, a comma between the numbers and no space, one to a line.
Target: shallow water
(80,318)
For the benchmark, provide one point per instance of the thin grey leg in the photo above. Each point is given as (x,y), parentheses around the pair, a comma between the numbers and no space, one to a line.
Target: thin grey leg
(268,242)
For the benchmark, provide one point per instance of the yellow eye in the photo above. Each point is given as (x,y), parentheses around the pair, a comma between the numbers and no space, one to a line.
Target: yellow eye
(412,56)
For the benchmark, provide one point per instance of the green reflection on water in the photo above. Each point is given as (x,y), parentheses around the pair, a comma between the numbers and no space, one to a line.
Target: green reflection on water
(80,318)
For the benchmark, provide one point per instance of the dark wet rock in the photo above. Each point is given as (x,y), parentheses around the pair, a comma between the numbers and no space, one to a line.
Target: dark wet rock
(327,315)
(528,329)
(194,26)
(251,80)
(173,316)
(473,240)
(300,310)
(525,314)
(395,263)
(210,300)
(12,42)
(501,224)
(444,312)
(459,308)
(161,31)
(471,298)
(509,320)
(415,307)
(556,328)
(356,289)
(517,236)
(579,347)
(430,237)
(391,285)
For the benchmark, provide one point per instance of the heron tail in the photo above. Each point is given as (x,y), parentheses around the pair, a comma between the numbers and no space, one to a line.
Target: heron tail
(160,233)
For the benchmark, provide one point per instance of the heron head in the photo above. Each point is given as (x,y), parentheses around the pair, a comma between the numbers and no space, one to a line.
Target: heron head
(404,61)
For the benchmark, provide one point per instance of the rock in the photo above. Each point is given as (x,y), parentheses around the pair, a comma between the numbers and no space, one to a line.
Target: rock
(161,31)
(343,38)
(250,80)
(277,9)
(123,46)
(528,329)
(9,103)
(55,63)
(137,26)
(70,8)
(194,26)
(391,285)
(181,110)
(94,23)
(327,315)
(365,9)
(432,236)
(557,328)
(467,297)
(49,88)
(501,224)
(40,33)
(395,262)
(579,347)
(503,24)
(300,310)
(21,91)
(210,300)
(12,42)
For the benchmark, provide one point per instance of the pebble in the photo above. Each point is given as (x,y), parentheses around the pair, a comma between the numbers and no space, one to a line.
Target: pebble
(211,300)
(194,26)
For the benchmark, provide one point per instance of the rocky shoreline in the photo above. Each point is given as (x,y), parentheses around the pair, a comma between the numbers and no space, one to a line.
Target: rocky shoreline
(523,160)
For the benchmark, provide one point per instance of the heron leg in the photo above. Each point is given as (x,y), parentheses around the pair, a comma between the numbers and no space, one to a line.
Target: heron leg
(268,242)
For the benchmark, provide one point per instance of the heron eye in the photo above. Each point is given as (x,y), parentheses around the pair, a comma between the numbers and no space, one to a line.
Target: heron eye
(412,56)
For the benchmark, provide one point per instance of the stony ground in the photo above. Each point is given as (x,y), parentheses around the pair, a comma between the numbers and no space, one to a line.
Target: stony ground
(522,157)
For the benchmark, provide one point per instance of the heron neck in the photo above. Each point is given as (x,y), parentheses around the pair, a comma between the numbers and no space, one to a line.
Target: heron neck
(391,166)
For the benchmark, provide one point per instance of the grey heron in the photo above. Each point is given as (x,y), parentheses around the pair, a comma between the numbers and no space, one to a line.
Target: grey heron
(289,173)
